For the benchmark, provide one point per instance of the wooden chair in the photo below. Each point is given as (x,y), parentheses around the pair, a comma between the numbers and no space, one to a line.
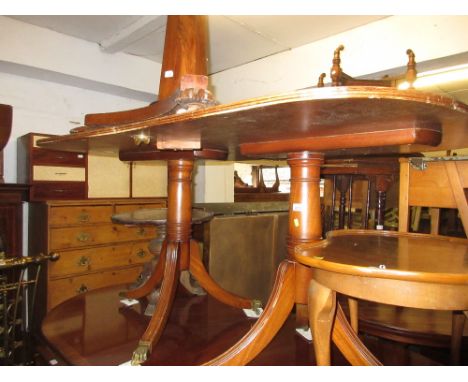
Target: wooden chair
(359,183)
(436,183)
(433,183)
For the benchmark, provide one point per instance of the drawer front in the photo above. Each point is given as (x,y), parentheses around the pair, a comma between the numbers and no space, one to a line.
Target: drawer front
(58,174)
(79,215)
(63,289)
(57,190)
(132,207)
(100,258)
(76,237)
(57,158)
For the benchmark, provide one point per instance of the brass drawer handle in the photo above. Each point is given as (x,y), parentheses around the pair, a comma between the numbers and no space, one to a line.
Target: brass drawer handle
(141,231)
(83,237)
(83,217)
(82,289)
(141,253)
(84,261)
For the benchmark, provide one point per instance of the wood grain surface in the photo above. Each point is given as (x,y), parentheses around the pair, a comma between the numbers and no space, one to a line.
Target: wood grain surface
(337,120)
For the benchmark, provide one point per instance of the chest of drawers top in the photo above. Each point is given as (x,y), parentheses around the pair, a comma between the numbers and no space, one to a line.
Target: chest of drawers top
(94,211)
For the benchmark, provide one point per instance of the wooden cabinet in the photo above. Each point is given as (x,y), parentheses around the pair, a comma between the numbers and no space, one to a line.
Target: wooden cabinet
(51,174)
(11,218)
(6,118)
(94,252)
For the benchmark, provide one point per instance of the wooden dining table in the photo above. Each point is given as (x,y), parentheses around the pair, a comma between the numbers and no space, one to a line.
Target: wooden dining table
(305,127)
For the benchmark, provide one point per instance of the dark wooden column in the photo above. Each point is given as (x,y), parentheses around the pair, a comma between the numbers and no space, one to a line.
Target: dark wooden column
(305,224)
(6,118)
(179,200)
(11,218)
(184,52)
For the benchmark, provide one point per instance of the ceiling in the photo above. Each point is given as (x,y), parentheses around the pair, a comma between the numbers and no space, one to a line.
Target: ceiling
(234,40)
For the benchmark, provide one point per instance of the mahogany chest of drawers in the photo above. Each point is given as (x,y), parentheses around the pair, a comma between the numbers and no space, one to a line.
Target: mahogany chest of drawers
(51,174)
(94,252)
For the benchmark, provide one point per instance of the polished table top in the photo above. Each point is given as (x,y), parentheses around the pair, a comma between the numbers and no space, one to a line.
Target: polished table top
(360,120)
(390,255)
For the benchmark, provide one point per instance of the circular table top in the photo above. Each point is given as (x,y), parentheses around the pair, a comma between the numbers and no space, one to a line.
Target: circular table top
(391,255)
(157,216)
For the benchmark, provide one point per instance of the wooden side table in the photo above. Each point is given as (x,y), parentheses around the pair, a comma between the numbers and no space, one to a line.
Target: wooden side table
(411,270)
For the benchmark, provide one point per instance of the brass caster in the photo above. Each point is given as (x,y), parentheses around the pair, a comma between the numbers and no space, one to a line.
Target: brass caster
(141,353)
(256,305)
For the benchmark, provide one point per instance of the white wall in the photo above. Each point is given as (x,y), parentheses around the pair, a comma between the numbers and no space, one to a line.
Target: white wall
(40,50)
(374,47)
(213,182)
(46,107)
(53,80)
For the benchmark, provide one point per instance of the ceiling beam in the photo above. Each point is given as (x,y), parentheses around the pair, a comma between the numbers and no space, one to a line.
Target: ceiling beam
(133,32)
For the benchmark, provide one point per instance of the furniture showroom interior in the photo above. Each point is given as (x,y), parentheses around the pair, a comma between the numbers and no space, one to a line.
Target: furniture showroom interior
(233,190)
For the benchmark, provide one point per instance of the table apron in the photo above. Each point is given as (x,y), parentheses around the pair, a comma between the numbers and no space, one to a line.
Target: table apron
(411,294)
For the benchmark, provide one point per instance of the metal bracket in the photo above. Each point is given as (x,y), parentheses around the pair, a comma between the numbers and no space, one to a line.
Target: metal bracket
(418,163)
(256,306)
(421,163)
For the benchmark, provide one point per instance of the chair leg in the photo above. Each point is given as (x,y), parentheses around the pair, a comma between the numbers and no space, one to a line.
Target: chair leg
(435,220)
(349,343)
(415,218)
(353,313)
(322,308)
(458,324)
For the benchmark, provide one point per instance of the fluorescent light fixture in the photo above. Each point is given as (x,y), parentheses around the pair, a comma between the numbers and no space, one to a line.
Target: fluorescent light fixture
(437,77)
